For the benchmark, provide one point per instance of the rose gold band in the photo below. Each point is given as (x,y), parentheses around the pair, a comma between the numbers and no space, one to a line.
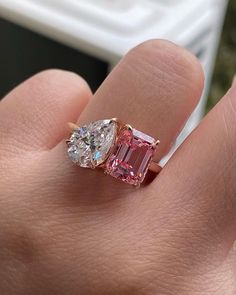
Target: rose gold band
(122,151)
(154,167)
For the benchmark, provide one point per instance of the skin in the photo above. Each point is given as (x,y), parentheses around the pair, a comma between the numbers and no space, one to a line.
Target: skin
(67,230)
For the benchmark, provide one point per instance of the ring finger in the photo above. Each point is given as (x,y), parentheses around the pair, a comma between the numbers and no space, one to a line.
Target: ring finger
(154,89)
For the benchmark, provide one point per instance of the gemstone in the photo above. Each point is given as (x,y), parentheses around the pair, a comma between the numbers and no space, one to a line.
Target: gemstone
(131,157)
(90,144)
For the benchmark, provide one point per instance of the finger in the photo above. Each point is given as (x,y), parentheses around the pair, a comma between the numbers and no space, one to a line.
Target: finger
(203,177)
(154,88)
(33,116)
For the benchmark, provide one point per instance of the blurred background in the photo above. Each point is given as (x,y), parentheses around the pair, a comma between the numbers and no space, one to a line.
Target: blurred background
(90,36)
(225,67)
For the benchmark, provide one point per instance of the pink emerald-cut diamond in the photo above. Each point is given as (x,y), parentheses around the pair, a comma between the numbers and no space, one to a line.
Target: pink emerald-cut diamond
(131,157)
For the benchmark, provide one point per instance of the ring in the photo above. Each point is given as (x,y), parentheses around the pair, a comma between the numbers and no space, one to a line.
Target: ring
(120,150)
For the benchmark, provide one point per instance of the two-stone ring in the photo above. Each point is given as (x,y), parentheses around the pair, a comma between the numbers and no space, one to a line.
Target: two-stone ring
(122,151)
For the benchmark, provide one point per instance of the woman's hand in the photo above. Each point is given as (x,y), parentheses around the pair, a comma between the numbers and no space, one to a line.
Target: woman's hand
(67,230)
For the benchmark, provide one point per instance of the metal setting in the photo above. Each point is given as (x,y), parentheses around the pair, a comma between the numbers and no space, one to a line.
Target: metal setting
(118,157)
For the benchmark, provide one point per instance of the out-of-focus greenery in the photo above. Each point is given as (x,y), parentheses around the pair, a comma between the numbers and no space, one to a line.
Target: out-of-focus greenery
(226,60)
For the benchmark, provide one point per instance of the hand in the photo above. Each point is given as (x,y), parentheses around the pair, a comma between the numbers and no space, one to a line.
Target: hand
(67,230)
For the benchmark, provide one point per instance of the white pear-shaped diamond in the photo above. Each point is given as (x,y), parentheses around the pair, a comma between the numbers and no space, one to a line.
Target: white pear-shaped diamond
(89,145)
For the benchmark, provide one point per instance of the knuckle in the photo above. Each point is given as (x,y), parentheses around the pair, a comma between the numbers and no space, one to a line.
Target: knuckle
(170,53)
(170,63)
(57,79)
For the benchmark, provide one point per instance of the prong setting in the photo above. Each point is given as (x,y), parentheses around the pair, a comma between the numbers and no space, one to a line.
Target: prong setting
(72,126)
(89,145)
(128,127)
(157,142)
(119,149)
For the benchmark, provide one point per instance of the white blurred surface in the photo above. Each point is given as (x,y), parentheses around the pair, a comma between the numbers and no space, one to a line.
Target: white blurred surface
(107,29)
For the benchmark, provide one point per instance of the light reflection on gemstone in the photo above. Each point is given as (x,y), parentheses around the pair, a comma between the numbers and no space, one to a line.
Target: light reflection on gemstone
(130,160)
(89,145)
(73,153)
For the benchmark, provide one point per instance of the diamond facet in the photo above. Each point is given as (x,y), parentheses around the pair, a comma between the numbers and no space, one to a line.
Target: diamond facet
(131,157)
(89,145)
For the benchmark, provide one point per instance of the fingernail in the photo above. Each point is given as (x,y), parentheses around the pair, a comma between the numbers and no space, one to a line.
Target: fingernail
(234,81)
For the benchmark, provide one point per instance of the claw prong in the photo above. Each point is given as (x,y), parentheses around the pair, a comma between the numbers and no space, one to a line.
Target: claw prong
(72,126)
